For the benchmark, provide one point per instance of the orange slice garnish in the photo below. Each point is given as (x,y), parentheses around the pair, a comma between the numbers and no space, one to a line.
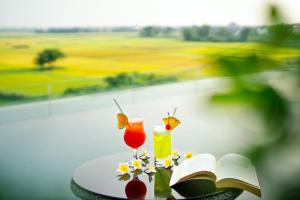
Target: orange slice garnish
(122,120)
(171,122)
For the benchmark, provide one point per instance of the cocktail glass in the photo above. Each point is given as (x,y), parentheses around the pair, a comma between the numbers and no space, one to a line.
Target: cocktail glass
(134,135)
(162,143)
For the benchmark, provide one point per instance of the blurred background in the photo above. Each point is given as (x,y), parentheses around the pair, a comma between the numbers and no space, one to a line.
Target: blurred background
(231,67)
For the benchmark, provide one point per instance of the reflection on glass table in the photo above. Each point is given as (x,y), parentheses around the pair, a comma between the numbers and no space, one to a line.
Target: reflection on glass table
(135,189)
(98,179)
(161,183)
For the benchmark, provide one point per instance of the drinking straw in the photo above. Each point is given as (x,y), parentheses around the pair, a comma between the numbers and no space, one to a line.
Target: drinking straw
(118,105)
(174,111)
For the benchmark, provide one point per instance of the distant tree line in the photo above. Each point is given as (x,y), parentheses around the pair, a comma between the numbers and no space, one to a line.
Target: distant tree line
(235,33)
(16,30)
(156,31)
(230,33)
(88,30)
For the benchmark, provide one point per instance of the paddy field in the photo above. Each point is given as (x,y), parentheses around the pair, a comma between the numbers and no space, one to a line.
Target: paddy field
(90,57)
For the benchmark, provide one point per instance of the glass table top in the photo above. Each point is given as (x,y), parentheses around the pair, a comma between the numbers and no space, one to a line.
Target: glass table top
(99,178)
(46,149)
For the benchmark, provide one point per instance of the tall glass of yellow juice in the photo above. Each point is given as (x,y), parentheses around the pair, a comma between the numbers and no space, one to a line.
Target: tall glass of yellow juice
(162,143)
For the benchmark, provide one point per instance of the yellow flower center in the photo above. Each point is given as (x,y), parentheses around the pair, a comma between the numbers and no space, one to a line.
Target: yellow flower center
(188,155)
(167,163)
(136,164)
(152,169)
(123,168)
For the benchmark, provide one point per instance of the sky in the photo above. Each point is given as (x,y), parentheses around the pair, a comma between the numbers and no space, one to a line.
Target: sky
(95,13)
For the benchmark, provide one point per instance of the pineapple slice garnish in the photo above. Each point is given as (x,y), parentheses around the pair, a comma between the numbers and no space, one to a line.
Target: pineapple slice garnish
(122,120)
(171,122)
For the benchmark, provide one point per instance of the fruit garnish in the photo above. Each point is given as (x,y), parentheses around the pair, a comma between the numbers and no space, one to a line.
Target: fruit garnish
(168,127)
(122,120)
(171,122)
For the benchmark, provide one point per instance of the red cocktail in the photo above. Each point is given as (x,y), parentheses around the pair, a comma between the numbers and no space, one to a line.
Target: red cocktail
(134,135)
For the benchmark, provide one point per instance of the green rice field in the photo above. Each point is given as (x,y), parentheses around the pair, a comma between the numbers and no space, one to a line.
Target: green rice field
(90,57)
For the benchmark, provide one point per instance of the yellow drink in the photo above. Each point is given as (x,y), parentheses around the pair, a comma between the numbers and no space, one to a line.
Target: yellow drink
(162,142)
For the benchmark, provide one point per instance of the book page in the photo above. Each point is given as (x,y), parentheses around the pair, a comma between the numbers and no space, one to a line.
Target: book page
(205,163)
(234,166)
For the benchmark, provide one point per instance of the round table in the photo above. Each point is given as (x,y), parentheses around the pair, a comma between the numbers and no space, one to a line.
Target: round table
(98,179)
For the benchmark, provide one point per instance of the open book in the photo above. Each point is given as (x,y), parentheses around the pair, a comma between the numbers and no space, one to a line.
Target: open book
(230,171)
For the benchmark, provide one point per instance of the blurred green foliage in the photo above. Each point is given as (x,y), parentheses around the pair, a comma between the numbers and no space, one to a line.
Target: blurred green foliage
(251,87)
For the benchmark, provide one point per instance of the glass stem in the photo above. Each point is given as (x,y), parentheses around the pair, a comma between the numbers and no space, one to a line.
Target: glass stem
(135,153)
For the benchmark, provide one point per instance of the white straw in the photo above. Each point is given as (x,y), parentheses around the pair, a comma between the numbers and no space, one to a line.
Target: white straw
(174,111)
(118,105)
